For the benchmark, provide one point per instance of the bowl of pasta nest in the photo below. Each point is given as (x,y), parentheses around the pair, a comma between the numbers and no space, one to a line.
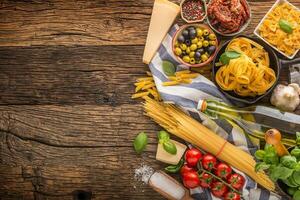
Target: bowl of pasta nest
(246,69)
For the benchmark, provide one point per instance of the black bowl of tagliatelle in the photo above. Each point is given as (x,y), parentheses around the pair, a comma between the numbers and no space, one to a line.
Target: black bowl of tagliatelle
(246,69)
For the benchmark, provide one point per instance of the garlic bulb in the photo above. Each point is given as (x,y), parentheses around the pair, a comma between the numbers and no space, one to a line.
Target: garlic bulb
(286,98)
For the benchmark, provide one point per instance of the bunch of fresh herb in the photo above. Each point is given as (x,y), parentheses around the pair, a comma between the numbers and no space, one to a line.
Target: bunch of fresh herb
(285,168)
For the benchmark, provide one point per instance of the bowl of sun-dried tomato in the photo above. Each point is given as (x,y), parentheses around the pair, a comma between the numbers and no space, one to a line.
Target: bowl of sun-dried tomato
(228,17)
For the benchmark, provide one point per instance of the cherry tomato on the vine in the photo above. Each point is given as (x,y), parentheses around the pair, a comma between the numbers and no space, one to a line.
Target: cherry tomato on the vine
(191,179)
(223,170)
(218,189)
(232,196)
(209,162)
(237,181)
(192,157)
(205,180)
(185,168)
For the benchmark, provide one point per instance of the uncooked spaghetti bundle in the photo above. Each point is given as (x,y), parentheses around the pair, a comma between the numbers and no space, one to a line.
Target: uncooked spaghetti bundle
(178,123)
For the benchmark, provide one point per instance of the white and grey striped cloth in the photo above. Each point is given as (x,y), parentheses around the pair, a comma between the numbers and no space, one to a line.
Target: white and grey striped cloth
(187,96)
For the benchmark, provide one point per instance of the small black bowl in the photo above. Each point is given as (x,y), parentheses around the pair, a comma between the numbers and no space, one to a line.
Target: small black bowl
(275,63)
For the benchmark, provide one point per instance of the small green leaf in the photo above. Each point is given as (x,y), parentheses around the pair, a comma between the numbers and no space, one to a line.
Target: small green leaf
(288,161)
(280,172)
(227,56)
(170,147)
(175,168)
(285,26)
(296,153)
(163,136)
(140,142)
(261,166)
(296,195)
(168,68)
(260,154)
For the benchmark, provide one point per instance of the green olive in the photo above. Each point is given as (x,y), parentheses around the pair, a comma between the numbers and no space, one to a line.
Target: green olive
(186,59)
(204,57)
(176,44)
(195,40)
(199,32)
(192,54)
(193,47)
(212,43)
(201,38)
(183,46)
(205,43)
(192,61)
(205,32)
(188,50)
(178,51)
(199,44)
(212,36)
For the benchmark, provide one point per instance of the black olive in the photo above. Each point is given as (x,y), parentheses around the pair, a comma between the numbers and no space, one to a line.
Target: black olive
(180,39)
(185,34)
(187,42)
(192,33)
(197,55)
(211,49)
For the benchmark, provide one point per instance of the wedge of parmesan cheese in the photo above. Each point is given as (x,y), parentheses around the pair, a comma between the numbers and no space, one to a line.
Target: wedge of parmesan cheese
(166,157)
(163,15)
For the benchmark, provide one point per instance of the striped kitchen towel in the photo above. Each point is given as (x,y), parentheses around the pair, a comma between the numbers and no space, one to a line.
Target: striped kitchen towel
(187,96)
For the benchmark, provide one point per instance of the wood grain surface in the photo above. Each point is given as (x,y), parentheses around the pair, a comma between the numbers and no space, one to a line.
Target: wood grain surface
(67,122)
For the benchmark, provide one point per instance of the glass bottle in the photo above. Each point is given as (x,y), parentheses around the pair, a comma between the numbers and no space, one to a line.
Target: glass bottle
(255,120)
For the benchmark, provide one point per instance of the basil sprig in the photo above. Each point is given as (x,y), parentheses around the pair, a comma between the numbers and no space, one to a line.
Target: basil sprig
(168,145)
(175,168)
(285,26)
(227,56)
(168,68)
(140,142)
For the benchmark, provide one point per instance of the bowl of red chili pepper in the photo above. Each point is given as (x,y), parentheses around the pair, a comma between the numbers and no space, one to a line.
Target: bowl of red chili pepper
(195,45)
(228,17)
(193,11)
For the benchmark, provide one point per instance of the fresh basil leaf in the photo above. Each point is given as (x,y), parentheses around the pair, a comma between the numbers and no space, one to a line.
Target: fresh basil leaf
(280,172)
(260,154)
(170,147)
(296,177)
(140,142)
(175,168)
(227,56)
(261,166)
(288,161)
(296,153)
(290,182)
(163,136)
(168,68)
(291,190)
(296,195)
(285,26)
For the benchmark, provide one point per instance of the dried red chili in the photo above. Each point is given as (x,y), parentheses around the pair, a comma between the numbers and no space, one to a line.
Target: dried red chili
(193,10)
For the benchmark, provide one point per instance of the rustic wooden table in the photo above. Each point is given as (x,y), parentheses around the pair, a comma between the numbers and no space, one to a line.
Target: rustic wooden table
(67,122)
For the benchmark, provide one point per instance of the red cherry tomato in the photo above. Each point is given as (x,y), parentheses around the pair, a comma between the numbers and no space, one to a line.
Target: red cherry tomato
(237,181)
(209,162)
(205,180)
(192,156)
(185,168)
(191,179)
(218,189)
(232,196)
(223,170)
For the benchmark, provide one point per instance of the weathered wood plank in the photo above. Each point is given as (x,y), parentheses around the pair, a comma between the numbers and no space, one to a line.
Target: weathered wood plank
(69,75)
(54,172)
(112,22)
(77,126)
(56,150)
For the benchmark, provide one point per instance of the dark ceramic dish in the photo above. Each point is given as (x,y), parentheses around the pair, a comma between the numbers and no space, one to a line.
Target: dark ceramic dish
(275,63)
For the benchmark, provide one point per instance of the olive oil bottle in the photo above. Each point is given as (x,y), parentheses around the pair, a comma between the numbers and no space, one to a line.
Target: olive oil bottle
(253,119)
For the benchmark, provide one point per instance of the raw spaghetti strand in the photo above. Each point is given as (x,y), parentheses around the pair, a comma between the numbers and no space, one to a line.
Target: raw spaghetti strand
(249,74)
(177,122)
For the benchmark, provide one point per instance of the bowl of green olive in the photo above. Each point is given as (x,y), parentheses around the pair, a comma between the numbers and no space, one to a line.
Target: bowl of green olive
(195,45)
